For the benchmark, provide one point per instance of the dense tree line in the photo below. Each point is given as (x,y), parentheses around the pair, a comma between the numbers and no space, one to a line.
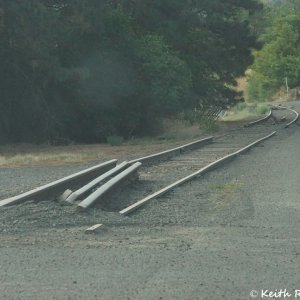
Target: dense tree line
(278,62)
(83,70)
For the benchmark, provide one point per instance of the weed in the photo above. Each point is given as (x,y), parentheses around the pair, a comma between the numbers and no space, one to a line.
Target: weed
(262,109)
(208,124)
(226,188)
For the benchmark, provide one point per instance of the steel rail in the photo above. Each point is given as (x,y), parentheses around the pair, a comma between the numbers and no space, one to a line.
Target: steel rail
(72,197)
(60,184)
(174,151)
(56,186)
(295,119)
(96,195)
(202,171)
(291,110)
(267,117)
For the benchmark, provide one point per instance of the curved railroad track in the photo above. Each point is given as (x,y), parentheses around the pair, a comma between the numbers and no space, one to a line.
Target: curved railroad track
(160,176)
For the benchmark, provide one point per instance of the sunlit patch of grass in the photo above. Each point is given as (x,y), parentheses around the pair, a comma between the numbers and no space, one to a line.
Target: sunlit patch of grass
(244,111)
(238,116)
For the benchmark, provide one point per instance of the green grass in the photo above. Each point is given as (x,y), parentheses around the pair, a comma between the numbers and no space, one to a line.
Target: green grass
(243,111)
(239,116)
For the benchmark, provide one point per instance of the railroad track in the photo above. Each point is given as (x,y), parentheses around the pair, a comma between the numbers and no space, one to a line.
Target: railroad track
(160,178)
(157,177)
(161,171)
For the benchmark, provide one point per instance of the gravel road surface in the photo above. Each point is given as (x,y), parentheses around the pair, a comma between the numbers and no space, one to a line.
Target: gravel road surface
(230,232)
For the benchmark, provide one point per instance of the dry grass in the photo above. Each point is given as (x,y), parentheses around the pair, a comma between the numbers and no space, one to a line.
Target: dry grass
(180,130)
(242,85)
(44,158)
(294,95)
(19,155)
(174,134)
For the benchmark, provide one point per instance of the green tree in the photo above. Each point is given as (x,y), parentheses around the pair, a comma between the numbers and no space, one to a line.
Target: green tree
(279,58)
(27,69)
(126,79)
(87,69)
(212,37)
